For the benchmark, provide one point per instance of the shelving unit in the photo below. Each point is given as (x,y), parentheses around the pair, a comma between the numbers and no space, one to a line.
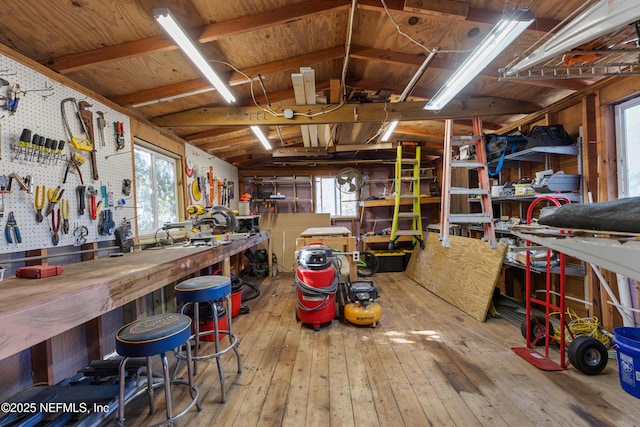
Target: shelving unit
(537,155)
(389,203)
(271,192)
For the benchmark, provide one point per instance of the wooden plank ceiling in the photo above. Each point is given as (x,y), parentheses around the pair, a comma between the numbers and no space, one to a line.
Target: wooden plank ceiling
(116,49)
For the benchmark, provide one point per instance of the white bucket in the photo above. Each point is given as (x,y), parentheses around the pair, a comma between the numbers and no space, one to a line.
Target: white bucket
(243,209)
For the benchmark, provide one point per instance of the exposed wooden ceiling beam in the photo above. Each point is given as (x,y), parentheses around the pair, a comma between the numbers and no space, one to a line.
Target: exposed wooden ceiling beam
(299,152)
(78,61)
(401,58)
(440,7)
(248,138)
(212,133)
(81,60)
(270,18)
(348,113)
(448,8)
(164,92)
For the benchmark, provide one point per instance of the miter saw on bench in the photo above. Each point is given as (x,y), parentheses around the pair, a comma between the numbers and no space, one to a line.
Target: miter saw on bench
(207,226)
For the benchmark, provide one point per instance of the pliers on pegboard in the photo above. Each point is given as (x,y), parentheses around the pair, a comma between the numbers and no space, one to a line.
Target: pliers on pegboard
(53,195)
(64,209)
(11,229)
(41,194)
(55,226)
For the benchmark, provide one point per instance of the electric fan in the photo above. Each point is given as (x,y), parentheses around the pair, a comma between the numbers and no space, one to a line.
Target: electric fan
(349,180)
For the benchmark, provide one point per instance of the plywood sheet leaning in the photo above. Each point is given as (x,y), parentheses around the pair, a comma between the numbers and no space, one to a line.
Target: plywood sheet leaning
(464,275)
(285,229)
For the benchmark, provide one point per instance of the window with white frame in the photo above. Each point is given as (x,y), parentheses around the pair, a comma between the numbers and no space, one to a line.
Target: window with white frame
(628,146)
(329,198)
(156,188)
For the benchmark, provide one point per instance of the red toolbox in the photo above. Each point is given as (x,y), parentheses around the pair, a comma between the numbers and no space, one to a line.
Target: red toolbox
(39,271)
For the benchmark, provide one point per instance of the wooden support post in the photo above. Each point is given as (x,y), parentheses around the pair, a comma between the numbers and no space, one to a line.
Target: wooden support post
(37,253)
(42,363)
(134,310)
(226,267)
(590,185)
(88,256)
(95,345)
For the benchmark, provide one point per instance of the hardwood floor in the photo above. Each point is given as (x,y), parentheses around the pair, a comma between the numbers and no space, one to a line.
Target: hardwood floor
(425,364)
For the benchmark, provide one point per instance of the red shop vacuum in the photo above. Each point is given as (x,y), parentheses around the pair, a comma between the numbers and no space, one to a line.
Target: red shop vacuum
(316,285)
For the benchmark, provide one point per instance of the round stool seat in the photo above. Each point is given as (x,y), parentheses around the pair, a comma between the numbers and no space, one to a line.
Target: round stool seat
(203,288)
(153,335)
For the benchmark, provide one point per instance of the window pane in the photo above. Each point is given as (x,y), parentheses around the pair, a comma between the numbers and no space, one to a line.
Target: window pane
(632,148)
(329,199)
(628,143)
(166,190)
(156,189)
(144,191)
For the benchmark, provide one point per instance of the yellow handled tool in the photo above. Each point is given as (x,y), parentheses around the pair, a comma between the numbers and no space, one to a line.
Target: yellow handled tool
(78,143)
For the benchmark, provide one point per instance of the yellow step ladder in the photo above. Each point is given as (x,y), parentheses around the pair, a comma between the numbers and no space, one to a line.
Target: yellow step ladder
(412,182)
(483,191)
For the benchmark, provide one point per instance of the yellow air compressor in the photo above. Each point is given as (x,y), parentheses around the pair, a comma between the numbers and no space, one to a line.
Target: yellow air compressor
(361,308)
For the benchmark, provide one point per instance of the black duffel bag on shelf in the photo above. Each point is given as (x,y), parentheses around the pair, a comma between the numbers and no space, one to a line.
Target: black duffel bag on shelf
(548,136)
(498,146)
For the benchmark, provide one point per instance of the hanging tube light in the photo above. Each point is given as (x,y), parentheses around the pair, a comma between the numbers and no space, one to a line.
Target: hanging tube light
(263,139)
(502,35)
(175,30)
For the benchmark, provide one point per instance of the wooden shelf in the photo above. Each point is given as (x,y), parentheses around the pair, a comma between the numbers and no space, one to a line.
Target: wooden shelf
(374,239)
(392,202)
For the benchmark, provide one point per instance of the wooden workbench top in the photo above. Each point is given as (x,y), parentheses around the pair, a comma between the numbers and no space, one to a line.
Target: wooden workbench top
(33,310)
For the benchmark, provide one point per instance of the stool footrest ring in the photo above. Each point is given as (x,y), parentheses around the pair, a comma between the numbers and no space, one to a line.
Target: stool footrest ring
(156,385)
(234,342)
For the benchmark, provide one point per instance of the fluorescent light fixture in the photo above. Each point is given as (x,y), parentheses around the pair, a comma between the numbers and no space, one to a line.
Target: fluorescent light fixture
(263,139)
(175,30)
(389,131)
(502,35)
(599,20)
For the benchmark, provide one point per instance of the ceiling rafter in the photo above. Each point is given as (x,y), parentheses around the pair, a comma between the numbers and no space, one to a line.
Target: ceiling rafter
(208,33)
(81,60)
(234,78)
(286,132)
(401,58)
(357,52)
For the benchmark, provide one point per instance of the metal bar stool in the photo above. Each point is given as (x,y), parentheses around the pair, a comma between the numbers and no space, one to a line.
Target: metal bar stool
(209,290)
(154,336)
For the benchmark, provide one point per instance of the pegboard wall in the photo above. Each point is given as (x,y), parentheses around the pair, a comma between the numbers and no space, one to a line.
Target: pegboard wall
(39,110)
(199,165)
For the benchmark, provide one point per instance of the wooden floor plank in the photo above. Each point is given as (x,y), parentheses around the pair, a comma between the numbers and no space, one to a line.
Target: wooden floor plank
(387,407)
(298,395)
(273,410)
(362,399)
(408,403)
(406,348)
(448,326)
(427,363)
(446,387)
(340,399)
(318,403)
(262,360)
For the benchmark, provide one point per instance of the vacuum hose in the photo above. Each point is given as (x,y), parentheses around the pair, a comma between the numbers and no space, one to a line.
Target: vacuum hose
(324,293)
